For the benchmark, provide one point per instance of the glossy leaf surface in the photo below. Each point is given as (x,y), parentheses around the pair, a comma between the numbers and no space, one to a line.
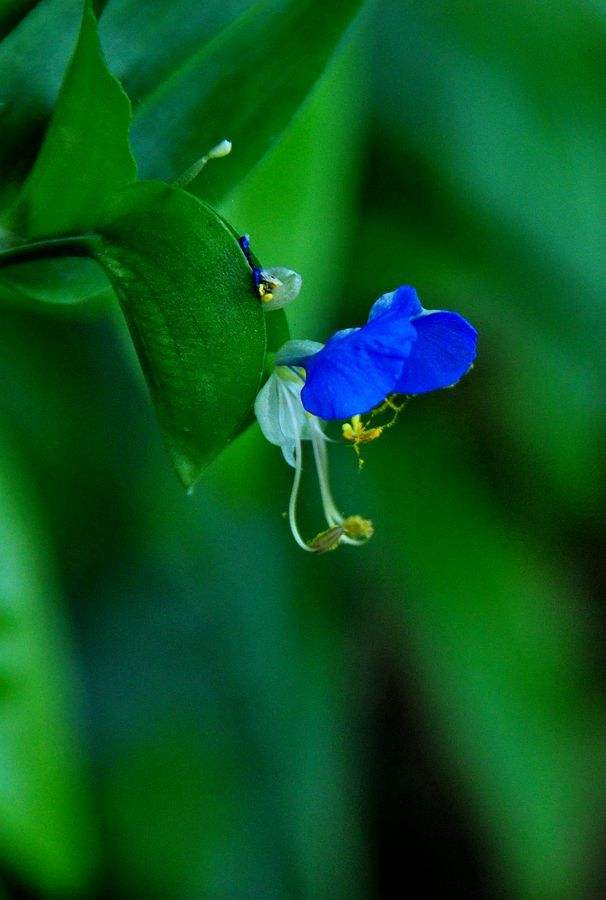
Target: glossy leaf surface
(85,156)
(198,327)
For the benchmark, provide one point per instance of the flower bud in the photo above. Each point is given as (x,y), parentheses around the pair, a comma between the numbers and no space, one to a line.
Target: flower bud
(223,148)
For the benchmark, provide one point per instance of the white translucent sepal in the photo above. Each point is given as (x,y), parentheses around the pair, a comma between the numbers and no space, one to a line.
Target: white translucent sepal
(281,415)
(283,285)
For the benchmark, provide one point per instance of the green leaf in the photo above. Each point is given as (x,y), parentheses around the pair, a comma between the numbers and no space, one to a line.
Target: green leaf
(144,43)
(185,110)
(244,85)
(245,82)
(46,829)
(147,42)
(28,90)
(198,327)
(85,155)
(58,281)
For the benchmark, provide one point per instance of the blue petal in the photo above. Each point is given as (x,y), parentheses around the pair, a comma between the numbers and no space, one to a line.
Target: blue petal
(402,302)
(443,352)
(357,368)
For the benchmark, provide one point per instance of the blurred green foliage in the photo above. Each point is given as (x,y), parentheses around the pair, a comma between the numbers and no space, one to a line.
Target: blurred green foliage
(211,713)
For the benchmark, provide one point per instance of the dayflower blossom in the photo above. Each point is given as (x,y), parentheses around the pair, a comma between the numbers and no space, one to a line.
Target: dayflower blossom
(285,423)
(402,349)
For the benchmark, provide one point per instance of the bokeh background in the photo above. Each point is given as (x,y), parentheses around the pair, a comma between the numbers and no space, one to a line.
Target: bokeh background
(191,707)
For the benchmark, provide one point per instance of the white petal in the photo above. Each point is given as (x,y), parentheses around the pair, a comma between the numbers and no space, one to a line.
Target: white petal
(288,452)
(267,410)
(291,416)
(287,286)
(280,414)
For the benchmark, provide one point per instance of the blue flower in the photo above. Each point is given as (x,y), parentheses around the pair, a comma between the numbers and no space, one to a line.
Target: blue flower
(402,349)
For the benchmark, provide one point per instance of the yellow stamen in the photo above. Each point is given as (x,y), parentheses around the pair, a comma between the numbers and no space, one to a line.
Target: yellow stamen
(266,289)
(358,528)
(354,528)
(396,403)
(358,433)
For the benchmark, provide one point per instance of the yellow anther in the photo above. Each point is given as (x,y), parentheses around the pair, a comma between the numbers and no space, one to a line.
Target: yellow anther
(356,432)
(354,527)
(370,434)
(266,289)
(358,528)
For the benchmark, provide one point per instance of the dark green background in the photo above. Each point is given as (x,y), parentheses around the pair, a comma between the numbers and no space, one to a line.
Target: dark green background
(190,706)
